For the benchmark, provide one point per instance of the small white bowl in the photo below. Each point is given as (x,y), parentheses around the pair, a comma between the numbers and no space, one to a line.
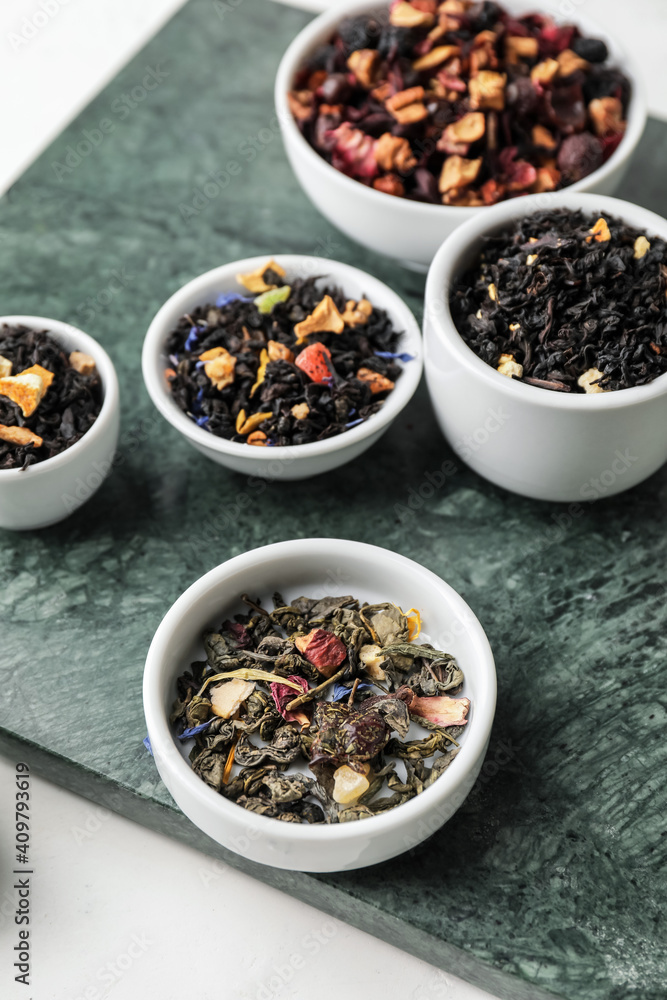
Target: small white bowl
(412,231)
(319,566)
(539,443)
(49,491)
(295,461)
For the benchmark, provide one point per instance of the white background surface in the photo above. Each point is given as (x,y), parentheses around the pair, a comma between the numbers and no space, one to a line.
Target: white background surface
(116,907)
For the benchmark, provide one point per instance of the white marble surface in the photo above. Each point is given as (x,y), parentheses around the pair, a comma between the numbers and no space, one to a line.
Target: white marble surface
(121,912)
(105,919)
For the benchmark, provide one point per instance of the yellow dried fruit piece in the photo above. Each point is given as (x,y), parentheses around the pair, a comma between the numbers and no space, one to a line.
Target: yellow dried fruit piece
(600,232)
(377,383)
(278,351)
(364,64)
(519,47)
(27,391)
(254,280)
(508,366)
(393,152)
(84,364)
(543,137)
(458,172)
(324,317)
(5,367)
(372,658)
(219,366)
(487,91)
(470,128)
(493,292)
(607,116)
(586,380)
(531,258)
(300,411)
(642,247)
(404,15)
(227,698)
(357,313)
(545,71)
(569,62)
(349,785)
(245,425)
(411,113)
(261,371)
(20,436)
(437,55)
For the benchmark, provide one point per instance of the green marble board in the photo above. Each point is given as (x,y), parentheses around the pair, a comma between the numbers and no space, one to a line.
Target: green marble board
(550,879)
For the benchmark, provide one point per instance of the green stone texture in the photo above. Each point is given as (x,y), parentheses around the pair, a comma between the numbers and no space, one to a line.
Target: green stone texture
(550,880)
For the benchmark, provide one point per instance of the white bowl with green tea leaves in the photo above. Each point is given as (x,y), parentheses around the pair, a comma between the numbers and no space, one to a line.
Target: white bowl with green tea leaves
(319,704)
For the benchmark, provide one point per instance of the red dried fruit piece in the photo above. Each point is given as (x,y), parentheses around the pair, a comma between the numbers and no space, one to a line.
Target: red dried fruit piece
(315,362)
(353,152)
(554,39)
(516,174)
(323,649)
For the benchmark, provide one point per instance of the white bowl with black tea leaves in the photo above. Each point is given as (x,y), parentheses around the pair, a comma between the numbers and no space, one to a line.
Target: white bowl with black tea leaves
(571,446)
(307,567)
(51,489)
(255,453)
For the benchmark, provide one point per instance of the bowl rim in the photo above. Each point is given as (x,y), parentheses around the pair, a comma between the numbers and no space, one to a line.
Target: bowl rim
(309,36)
(64,333)
(458,245)
(333,271)
(163,741)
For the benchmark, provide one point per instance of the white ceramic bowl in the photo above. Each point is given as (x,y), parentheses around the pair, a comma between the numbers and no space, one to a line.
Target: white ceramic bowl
(319,566)
(407,230)
(543,444)
(297,461)
(50,491)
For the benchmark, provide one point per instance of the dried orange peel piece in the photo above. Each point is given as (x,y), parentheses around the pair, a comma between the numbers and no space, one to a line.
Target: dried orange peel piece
(357,313)
(254,280)
(82,363)
(377,383)
(27,391)
(20,436)
(600,232)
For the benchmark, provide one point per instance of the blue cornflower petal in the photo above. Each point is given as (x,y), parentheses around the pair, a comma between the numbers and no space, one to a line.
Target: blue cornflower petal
(187,733)
(193,337)
(201,421)
(353,423)
(389,354)
(340,692)
(147,743)
(227,297)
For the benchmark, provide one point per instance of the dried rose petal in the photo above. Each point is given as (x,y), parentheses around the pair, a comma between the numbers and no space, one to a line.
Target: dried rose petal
(240,632)
(441,710)
(323,649)
(283,694)
(353,152)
